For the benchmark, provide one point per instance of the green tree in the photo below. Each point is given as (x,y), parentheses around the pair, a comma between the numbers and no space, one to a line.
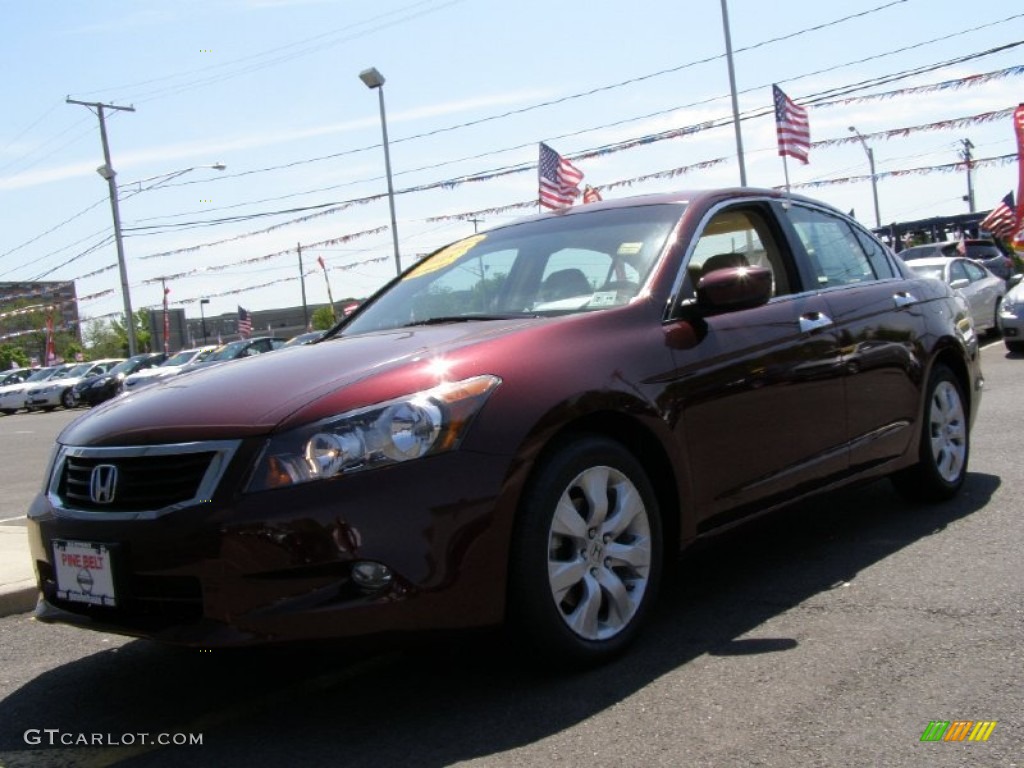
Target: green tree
(110,338)
(12,354)
(103,340)
(323,319)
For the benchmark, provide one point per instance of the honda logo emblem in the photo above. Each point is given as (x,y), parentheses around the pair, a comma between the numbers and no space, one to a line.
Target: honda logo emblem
(103,483)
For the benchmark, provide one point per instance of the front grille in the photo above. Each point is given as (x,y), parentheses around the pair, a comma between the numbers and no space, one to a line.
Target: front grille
(135,482)
(143,482)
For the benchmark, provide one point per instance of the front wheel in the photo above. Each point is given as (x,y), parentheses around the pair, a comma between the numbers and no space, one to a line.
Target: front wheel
(67,399)
(587,554)
(945,443)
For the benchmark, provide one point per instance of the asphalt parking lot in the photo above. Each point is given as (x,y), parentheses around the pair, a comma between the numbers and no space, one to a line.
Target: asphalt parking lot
(832,634)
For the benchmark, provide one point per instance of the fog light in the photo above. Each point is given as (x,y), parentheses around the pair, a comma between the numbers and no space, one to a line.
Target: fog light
(370,575)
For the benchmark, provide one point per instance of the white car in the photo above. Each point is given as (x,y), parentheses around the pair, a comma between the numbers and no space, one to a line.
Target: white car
(56,390)
(170,367)
(983,290)
(12,397)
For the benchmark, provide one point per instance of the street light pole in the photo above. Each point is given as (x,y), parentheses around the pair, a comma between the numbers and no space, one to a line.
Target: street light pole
(202,317)
(166,177)
(373,79)
(107,172)
(732,90)
(874,178)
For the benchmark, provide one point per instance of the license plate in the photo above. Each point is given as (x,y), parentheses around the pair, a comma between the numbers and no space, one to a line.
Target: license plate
(84,572)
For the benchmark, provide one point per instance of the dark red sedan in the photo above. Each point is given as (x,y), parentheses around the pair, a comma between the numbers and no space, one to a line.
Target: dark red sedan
(520,429)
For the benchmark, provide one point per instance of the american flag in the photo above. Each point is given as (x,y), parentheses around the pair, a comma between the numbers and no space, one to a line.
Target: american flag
(244,323)
(1002,220)
(591,195)
(559,179)
(791,125)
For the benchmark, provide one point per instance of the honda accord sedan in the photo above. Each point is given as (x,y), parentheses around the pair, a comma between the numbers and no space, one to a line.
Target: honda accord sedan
(519,430)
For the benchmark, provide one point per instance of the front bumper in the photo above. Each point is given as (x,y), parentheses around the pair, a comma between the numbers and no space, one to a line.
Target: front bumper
(42,401)
(277,566)
(1012,327)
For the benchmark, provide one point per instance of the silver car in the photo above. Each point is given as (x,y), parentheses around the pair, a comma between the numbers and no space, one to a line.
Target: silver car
(56,390)
(169,367)
(1011,318)
(12,396)
(983,291)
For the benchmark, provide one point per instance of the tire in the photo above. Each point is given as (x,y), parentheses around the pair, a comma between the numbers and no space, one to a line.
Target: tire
(586,556)
(945,443)
(67,399)
(1017,347)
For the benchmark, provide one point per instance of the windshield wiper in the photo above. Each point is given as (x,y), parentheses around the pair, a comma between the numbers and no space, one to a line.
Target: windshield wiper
(442,319)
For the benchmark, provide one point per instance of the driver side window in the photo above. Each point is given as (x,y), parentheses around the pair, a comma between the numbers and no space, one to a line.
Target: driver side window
(735,238)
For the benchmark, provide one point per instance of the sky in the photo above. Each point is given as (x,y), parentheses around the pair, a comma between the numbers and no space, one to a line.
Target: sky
(637,93)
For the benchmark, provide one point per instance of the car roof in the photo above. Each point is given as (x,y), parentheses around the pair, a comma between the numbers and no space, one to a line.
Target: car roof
(680,197)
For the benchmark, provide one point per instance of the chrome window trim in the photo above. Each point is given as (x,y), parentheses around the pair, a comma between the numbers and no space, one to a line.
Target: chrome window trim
(223,450)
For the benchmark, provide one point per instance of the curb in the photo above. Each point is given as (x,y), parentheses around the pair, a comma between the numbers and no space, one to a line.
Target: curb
(20,597)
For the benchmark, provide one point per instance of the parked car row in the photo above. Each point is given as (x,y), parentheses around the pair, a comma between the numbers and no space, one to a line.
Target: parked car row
(14,395)
(87,384)
(169,367)
(57,390)
(98,389)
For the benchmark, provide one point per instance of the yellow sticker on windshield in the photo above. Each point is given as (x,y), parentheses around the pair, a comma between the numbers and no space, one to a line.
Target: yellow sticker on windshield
(630,249)
(447,256)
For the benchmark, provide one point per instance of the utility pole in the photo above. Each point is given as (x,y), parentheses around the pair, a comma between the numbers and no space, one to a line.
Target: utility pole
(167,317)
(302,282)
(107,171)
(970,177)
(476,222)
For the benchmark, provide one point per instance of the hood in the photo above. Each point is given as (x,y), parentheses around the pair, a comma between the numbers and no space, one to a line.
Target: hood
(287,387)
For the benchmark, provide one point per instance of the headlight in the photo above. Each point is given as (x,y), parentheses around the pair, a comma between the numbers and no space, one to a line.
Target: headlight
(1009,309)
(408,428)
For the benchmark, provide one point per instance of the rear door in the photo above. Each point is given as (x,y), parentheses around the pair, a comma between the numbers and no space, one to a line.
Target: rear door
(877,319)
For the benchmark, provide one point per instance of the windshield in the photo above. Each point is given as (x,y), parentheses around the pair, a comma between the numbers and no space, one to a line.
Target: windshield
(551,266)
(179,359)
(229,351)
(41,374)
(78,370)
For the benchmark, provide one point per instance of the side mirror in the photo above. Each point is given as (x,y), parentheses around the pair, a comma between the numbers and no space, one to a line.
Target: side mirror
(1014,279)
(732,289)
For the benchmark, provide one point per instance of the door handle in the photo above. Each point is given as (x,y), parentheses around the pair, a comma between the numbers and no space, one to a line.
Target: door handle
(814,321)
(904,299)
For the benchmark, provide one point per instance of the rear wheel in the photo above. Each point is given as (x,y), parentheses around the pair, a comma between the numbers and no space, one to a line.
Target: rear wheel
(587,554)
(1016,347)
(67,399)
(945,443)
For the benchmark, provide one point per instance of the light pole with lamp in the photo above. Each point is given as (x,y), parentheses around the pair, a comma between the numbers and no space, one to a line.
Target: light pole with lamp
(165,177)
(202,317)
(373,79)
(874,177)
